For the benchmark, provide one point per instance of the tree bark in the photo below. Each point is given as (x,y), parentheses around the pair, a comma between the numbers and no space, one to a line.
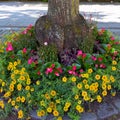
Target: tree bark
(63,25)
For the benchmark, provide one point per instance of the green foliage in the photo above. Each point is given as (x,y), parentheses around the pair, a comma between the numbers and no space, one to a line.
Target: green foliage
(48,53)
(31,78)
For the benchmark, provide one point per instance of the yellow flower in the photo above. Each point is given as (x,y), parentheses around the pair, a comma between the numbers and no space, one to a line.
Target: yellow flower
(65,109)
(28,81)
(114,68)
(9,101)
(64,79)
(2,104)
(113,94)
(85,81)
(86,98)
(58,101)
(67,104)
(7,94)
(41,113)
(49,109)
(55,113)
(42,103)
(79,85)
(3,84)
(84,93)
(13,76)
(53,93)
(38,82)
(19,87)
(13,103)
(59,118)
(11,88)
(79,102)
(99,98)
(114,62)
(104,78)
(15,63)
(97,77)
(109,87)
(90,71)
(22,77)
(23,99)
(32,89)
(104,93)
(104,86)
(16,71)
(79,109)
(16,107)
(87,86)
(112,78)
(1,90)
(47,96)
(18,99)
(27,87)
(76,97)
(20,114)
(73,79)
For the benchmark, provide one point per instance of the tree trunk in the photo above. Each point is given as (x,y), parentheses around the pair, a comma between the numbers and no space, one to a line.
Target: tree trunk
(64,26)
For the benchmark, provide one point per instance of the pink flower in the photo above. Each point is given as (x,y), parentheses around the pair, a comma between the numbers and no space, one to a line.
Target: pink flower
(79,53)
(9,47)
(49,70)
(96,65)
(93,58)
(29,27)
(24,50)
(102,66)
(24,32)
(112,38)
(30,61)
(81,70)
(53,65)
(70,72)
(57,74)
(74,68)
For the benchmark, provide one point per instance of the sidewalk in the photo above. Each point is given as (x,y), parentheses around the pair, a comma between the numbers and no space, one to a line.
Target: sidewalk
(15,15)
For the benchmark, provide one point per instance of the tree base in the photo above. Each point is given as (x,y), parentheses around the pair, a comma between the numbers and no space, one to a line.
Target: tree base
(75,35)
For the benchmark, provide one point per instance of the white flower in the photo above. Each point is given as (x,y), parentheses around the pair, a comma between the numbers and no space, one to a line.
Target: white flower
(45,43)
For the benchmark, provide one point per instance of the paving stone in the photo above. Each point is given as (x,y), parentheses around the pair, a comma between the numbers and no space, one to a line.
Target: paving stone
(88,116)
(117,103)
(106,110)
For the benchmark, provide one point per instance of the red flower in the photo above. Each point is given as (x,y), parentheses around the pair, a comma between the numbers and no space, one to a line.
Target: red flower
(74,68)
(100,59)
(49,70)
(93,58)
(30,61)
(24,50)
(9,47)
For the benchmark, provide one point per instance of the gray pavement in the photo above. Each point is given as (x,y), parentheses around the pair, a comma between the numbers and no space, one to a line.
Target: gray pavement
(15,15)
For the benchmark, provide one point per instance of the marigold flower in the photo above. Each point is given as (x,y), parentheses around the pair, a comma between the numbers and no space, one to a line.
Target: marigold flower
(97,77)
(90,71)
(27,87)
(114,62)
(22,99)
(49,109)
(47,96)
(55,113)
(19,87)
(2,104)
(53,93)
(65,109)
(99,98)
(76,97)
(79,85)
(73,79)
(84,93)
(20,114)
(59,118)
(104,93)
(114,68)
(67,104)
(79,109)
(64,79)
(13,102)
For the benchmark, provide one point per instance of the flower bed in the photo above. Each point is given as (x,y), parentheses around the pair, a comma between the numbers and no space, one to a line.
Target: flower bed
(36,78)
